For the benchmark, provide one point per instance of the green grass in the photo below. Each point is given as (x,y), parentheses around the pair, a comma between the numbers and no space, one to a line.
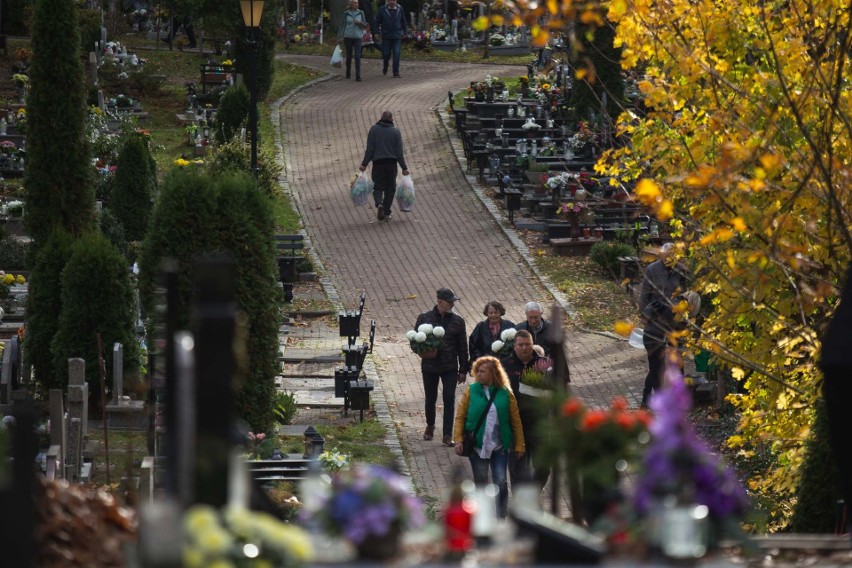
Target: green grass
(363,441)
(126,450)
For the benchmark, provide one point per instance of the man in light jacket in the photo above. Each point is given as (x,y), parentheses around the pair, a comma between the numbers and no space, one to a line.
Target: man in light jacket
(391,25)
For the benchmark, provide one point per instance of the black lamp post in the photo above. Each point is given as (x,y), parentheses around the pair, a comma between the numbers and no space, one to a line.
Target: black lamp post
(252,11)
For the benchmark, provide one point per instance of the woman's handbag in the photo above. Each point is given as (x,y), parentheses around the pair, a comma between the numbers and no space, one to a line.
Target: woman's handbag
(469,436)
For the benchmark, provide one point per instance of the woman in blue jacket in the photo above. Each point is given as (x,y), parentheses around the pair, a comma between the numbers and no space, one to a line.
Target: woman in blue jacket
(351,30)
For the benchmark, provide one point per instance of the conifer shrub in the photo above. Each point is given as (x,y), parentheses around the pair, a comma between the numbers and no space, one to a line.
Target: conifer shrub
(97,297)
(233,112)
(233,156)
(44,303)
(113,230)
(200,214)
(606,254)
(819,485)
(133,187)
(90,29)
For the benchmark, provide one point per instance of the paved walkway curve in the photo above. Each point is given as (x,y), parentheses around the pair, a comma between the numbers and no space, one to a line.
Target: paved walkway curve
(450,239)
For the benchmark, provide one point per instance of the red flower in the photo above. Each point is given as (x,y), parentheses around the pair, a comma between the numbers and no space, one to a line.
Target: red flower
(592,420)
(619,404)
(572,407)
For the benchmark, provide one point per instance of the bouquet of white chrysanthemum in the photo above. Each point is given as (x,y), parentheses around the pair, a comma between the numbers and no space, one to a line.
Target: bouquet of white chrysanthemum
(426,338)
(504,346)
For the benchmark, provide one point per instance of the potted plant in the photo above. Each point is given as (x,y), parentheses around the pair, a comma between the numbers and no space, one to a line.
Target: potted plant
(370,506)
(426,340)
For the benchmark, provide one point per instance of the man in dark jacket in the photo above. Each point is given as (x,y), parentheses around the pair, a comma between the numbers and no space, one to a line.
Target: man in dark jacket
(391,25)
(384,149)
(449,368)
(537,326)
(522,359)
(663,283)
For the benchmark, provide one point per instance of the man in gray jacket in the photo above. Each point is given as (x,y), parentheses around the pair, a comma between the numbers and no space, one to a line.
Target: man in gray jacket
(384,149)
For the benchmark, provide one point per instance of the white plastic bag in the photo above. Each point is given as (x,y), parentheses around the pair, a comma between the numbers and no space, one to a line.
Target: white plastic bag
(336,57)
(405,194)
(361,189)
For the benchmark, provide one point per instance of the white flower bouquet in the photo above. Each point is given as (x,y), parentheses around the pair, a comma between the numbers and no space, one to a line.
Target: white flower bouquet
(426,339)
(504,346)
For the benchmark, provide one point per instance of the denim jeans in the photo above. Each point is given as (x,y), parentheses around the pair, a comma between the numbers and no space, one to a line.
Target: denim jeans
(388,46)
(430,387)
(497,464)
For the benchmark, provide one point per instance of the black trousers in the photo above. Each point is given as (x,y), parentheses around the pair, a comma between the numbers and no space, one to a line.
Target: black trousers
(656,367)
(353,47)
(384,190)
(448,380)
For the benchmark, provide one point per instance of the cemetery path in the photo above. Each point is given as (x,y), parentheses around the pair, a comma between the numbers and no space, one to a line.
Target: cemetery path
(450,239)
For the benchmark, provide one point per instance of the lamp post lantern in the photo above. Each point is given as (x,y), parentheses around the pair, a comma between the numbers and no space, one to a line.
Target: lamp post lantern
(252,11)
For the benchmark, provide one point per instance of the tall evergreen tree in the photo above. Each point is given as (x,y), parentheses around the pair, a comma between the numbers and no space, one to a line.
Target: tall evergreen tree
(44,303)
(97,298)
(133,188)
(57,180)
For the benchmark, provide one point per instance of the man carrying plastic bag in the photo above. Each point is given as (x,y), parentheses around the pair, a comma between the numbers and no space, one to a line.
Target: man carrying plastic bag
(384,149)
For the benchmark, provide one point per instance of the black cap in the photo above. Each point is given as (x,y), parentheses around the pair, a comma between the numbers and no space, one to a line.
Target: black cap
(447,295)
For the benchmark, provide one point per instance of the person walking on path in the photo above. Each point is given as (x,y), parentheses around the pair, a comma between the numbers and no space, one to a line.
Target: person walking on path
(351,30)
(527,466)
(391,26)
(663,282)
(537,326)
(499,428)
(384,149)
(488,331)
(449,367)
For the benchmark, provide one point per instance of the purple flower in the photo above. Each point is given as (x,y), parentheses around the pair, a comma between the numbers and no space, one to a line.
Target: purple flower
(678,463)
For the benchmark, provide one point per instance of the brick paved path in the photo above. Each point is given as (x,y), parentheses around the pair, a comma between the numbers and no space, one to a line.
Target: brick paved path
(450,239)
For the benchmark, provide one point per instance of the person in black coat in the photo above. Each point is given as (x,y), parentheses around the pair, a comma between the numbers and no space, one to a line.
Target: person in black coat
(836,365)
(488,331)
(537,326)
(448,368)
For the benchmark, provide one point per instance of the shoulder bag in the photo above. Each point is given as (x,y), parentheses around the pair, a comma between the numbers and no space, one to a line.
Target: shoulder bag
(469,436)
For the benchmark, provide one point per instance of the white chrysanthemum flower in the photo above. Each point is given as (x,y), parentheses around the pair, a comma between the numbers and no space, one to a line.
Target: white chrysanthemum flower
(420,337)
(438,331)
(497,346)
(410,334)
(508,334)
(425,328)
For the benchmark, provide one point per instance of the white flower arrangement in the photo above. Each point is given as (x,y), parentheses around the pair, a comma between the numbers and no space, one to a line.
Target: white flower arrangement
(562,180)
(504,346)
(531,124)
(334,460)
(425,338)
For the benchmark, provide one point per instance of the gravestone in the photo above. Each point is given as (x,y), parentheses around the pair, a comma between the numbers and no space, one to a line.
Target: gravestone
(74,465)
(78,393)
(6,375)
(93,69)
(122,412)
(57,426)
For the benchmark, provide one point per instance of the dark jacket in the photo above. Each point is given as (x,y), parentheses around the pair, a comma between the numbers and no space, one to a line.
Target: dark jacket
(452,356)
(384,142)
(661,287)
(540,336)
(390,26)
(528,406)
(481,338)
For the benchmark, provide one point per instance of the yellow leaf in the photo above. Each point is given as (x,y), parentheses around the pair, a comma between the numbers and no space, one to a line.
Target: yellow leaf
(591,17)
(552,7)
(665,211)
(617,8)
(497,20)
(739,225)
(580,74)
(623,328)
(481,24)
(737,373)
(647,190)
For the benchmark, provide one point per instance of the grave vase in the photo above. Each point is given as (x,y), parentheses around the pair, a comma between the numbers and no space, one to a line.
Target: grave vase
(479,96)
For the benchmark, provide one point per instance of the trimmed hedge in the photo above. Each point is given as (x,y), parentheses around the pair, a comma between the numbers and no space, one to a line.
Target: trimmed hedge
(236,157)
(199,214)
(233,112)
